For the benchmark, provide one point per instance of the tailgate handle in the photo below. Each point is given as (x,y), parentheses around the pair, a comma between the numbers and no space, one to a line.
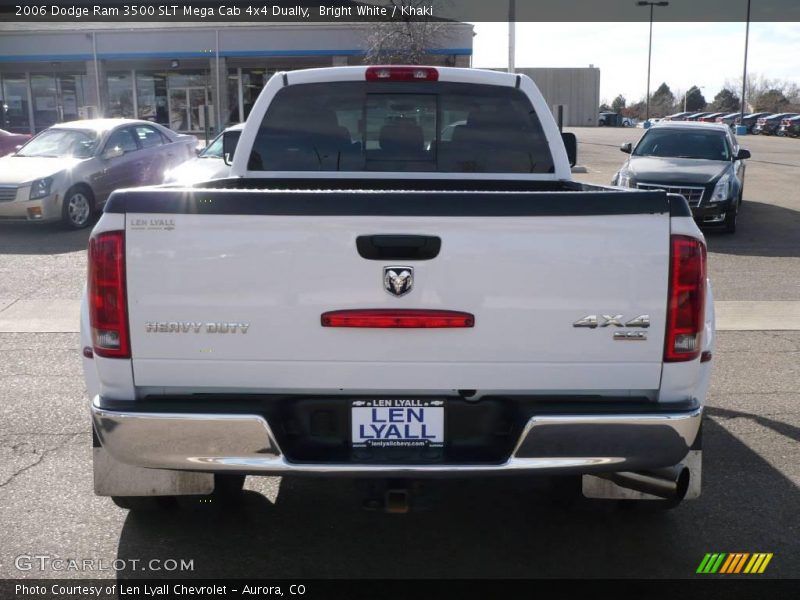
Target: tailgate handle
(398,247)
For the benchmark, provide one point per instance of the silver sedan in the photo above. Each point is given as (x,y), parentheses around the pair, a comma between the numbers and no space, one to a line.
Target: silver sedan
(68,171)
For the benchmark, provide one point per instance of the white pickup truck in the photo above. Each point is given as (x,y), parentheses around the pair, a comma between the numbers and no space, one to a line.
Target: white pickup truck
(366,297)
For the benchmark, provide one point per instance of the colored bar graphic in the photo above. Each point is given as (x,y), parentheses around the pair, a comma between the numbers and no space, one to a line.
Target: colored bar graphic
(728,564)
(703,564)
(734,563)
(717,564)
(749,568)
(741,562)
(765,563)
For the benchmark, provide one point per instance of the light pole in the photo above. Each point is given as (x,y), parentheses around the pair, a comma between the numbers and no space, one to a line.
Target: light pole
(649,51)
(512,35)
(744,75)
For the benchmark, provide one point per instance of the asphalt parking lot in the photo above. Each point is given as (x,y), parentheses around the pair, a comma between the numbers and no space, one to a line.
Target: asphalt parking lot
(308,528)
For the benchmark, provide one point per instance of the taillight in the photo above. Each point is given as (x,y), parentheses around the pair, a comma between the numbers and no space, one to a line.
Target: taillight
(402,74)
(687,297)
(400,319)
(107,302)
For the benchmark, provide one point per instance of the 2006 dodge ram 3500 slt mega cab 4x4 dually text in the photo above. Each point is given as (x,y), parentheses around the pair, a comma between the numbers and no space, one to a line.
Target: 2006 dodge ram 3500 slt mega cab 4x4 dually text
(399,280)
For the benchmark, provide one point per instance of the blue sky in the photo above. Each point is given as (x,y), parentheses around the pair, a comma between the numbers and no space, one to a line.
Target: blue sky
(684,54)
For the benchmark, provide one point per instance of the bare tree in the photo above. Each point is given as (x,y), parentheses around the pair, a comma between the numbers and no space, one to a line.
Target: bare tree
(758,86)
(408,38)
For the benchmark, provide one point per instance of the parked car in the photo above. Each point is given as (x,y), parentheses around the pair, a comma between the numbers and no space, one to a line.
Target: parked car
(68,171)
(681,116)
(612,119)
(325,311)
(10,141)
(696,116)
(770,124)
(711,118)
(701,161)
(207,165)
(750,120)
(790,127)
(728,119)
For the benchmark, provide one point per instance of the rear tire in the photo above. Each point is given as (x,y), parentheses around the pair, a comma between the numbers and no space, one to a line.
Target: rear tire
(566,491)
(228,489)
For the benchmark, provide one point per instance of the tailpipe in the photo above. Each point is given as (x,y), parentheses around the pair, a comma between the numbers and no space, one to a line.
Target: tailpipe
(670,483)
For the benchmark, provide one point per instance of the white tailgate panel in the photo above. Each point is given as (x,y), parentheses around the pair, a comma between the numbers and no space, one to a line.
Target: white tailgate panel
(526,280)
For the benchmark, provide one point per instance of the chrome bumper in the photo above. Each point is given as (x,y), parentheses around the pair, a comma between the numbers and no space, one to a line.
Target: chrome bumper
(215,443)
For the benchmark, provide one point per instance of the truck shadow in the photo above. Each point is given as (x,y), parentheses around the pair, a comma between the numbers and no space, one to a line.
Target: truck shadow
(502,527)
(36,239)
(762,230)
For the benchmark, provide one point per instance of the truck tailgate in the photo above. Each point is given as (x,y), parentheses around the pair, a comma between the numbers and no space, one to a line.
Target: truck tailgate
(232,298)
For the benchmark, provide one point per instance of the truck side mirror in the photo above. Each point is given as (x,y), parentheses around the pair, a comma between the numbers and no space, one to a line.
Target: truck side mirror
(571,146)
(627,148)
(230,139)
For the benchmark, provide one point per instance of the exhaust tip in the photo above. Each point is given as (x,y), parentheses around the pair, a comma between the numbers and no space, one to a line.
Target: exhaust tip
(671,483)
(682,482)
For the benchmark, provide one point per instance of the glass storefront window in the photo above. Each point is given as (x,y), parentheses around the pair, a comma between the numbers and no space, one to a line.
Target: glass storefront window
(14,114)
(188,79)
(253,81)
(233,98)
(151,96)
(190,102)
(45,101)
(120,95)
(71,95)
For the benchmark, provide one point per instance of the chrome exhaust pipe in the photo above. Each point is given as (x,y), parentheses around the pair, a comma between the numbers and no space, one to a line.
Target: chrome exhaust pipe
(670,483)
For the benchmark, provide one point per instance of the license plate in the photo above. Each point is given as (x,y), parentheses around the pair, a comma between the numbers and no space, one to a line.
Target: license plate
(398,423)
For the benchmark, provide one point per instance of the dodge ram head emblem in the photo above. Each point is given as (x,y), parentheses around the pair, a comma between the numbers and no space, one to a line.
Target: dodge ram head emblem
(398,281)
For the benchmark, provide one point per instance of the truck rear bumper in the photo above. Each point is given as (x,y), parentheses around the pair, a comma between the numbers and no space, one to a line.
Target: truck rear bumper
(245,443)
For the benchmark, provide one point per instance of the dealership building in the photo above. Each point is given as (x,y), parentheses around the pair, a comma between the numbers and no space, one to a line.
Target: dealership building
(191,77)
(198,78)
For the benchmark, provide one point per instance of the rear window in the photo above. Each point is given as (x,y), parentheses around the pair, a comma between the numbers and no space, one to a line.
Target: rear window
(407,127)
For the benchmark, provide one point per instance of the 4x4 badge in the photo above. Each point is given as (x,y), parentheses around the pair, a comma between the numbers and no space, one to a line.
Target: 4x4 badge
(398,280)
(592,321)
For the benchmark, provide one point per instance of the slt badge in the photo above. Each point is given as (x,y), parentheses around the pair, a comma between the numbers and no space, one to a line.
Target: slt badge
(397,280)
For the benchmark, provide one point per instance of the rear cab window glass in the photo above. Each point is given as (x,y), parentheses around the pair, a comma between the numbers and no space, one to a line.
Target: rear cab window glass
(405,127)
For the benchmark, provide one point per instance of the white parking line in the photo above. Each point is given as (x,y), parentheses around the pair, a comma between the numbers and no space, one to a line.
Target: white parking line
(40,316)
(758,316)
(62,316)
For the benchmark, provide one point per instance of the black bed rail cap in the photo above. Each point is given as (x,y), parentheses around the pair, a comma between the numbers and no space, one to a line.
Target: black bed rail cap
(339,202)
